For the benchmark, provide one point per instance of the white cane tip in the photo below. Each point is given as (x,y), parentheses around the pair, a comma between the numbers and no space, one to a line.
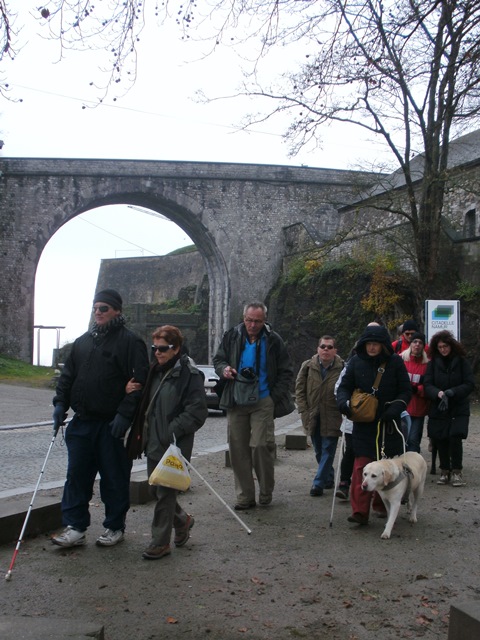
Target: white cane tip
(8,577)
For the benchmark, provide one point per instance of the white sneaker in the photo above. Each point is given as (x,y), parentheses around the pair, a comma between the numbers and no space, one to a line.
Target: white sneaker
(457,480)
(70,537)
(109,538)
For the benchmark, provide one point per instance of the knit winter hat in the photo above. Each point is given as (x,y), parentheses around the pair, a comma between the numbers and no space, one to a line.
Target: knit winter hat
(410,325)
(419,336)
(109,296)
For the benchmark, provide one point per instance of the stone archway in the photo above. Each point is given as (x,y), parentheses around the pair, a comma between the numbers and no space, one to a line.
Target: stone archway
(235,214)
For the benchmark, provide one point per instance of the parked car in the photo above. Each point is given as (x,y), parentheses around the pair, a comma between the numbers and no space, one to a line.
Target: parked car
(210,382)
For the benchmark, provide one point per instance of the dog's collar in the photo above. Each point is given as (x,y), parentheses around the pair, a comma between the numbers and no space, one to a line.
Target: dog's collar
(405,473)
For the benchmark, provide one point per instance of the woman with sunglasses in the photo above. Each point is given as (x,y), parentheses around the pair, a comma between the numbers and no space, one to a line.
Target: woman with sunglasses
(448,382)
(173,406)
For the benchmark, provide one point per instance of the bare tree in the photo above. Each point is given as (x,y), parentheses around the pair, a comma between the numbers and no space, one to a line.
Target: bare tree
(407,71)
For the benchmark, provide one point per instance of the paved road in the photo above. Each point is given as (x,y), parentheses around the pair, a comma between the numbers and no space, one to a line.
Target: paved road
(23,448)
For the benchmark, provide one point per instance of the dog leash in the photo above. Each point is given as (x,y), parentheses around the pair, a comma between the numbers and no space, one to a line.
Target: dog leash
(383,455)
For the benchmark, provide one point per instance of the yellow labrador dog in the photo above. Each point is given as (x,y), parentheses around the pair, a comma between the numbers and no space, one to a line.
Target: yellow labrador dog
(397,479)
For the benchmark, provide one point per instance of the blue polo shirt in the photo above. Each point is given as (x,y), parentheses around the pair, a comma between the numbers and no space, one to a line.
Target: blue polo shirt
(248,359)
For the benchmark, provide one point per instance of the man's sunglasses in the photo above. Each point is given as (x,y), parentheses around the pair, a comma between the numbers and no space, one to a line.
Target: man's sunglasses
(163,348)
(101,309)
(327,346)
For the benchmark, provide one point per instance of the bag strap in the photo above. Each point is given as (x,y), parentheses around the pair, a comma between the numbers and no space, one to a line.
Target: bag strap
(380,372)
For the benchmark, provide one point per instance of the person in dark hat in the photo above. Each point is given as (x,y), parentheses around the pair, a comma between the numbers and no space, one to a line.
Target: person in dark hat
(408,329)
(416,361)
(93,383)
(373,355)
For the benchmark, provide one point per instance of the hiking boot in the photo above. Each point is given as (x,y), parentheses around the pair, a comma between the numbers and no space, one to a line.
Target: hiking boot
(342,491)
(109,538)
(70,537)
(265,500)
(457,479)
(444,477)
(316,491)
(155,551)
(183,534)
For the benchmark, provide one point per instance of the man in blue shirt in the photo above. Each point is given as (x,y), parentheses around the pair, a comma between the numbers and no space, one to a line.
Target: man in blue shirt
(252,351)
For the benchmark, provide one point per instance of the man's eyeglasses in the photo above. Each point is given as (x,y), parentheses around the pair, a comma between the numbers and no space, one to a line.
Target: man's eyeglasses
(103,308)
(250,321)
(163,348)
(326,346)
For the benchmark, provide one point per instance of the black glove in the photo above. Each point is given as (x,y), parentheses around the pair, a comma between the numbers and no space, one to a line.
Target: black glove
(345,409)
(59,417)
(443,404)
(450,393)
(392,411)
(120,425)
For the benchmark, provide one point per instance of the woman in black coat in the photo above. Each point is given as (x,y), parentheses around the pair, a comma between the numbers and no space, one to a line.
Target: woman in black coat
(374,350)
(448,382)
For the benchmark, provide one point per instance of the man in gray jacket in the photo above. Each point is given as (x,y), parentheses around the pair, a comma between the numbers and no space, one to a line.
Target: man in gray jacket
(253,358)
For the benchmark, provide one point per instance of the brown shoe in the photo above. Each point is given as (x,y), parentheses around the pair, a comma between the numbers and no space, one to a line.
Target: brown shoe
(358,518)
(183,534)
(155,552)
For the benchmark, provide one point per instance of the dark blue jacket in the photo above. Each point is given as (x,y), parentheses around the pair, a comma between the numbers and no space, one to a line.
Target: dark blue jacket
(95,374)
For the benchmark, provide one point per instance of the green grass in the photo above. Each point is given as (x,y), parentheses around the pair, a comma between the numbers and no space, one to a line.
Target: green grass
(17,372)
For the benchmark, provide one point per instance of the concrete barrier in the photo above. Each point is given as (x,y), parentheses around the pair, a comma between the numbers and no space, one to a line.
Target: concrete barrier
(464,621)
(35,628)
(295,441)
(46,514)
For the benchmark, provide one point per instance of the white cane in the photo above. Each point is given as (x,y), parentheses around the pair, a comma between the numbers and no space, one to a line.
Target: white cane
(337,475)
(249,531)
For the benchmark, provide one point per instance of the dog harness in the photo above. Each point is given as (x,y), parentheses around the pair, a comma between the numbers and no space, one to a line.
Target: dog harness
(407,473)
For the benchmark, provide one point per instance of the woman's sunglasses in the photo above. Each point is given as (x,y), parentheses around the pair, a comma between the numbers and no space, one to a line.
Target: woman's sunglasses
(163,348)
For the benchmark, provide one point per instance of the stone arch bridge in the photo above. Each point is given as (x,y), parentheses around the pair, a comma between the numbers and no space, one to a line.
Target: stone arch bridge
(235,214)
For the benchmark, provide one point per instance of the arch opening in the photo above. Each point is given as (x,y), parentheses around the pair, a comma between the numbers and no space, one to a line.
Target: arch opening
(105,233)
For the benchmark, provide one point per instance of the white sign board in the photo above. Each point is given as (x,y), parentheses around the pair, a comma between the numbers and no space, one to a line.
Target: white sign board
(441,315)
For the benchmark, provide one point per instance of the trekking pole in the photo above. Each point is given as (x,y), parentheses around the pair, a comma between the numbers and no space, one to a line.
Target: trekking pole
(8,575)
(337,475)
(249,531)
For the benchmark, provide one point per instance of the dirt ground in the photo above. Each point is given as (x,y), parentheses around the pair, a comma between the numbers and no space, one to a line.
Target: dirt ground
(295,576)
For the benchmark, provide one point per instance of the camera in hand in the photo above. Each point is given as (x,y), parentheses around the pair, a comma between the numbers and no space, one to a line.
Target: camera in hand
(248,373)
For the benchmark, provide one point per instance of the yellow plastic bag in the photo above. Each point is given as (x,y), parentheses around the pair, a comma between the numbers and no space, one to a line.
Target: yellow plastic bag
(171,471)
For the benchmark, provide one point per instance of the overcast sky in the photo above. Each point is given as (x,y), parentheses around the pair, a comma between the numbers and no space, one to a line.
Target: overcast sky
(159,119)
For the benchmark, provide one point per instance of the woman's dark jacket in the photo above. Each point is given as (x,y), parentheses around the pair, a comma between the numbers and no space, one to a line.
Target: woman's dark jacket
(97,370)
(449,373)
(173,404)
(279,368)
(360,373)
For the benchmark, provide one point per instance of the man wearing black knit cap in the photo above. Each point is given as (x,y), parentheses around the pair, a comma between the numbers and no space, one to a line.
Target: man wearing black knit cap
(93,383)
(403,343)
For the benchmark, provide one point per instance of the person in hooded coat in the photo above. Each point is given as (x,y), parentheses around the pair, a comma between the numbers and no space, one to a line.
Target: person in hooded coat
(371,439)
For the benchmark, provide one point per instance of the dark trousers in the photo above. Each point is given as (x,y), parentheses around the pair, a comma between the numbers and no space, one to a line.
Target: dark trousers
(416,434)
(450,452)
(346,467)
(92,449)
